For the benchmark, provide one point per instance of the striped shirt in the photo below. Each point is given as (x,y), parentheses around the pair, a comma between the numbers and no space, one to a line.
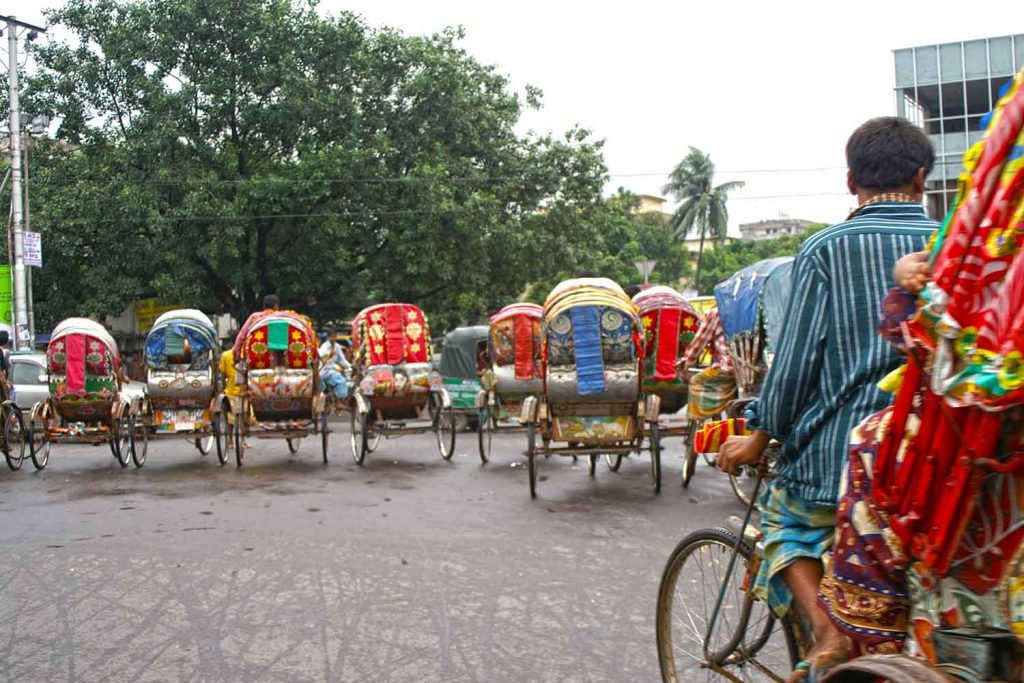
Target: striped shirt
(830,357)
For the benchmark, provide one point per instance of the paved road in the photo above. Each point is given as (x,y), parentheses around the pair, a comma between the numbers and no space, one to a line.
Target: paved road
(409,568)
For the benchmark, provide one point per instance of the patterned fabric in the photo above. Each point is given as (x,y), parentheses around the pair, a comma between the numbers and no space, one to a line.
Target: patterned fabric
(709,337)
(864,588)
(586,343)
(829,359)
(793,529)
(390,334)
(711,389)
(515,339)
(897,307)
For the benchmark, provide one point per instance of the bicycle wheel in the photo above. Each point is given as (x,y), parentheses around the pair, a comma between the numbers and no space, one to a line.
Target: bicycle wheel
(38,439)
(690,584)
(222,433)
(445,430)
(14,436)
(531,457)
(358,425)
(121,438)
(139,431)
(614,461)
(655,448)
(689,455)
(484,432)
(325,435)
(204,446)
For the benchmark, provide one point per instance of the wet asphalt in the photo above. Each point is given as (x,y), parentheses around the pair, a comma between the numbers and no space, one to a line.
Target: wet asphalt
(409,568)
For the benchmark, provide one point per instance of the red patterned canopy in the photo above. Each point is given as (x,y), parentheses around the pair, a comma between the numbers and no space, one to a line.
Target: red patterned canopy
(300,351)
(670,323)
(515,339)
(389,334)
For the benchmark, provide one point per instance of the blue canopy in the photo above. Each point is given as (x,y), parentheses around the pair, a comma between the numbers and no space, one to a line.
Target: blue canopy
(739,296)
(774,300)
(176,327)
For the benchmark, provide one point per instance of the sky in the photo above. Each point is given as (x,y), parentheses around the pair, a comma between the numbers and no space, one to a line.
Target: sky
(771,90)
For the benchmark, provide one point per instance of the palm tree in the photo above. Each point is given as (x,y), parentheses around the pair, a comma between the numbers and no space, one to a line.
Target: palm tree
(701,203)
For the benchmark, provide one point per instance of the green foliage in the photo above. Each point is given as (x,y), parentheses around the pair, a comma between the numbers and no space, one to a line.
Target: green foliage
(210,152)
(702,205)
(726,258)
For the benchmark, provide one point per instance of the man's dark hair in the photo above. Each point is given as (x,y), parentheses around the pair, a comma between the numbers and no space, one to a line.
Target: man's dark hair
(5,337)
(271,301)
(885,154)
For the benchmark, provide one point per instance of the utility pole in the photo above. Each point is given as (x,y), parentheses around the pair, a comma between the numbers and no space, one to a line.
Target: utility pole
(22,334)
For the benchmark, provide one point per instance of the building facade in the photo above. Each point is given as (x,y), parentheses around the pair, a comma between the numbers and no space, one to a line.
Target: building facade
(947,89)
(773,229)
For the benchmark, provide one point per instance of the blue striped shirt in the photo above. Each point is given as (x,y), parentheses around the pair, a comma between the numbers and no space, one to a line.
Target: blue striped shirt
(830,357)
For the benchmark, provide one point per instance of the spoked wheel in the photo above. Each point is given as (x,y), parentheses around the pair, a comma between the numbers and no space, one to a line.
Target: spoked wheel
(655,448)
(293,444)
(614,461)
(372,438)
(531,457)
(121,438)
(15,436)
(744,482)
(690,585)
(689,454)
(484,432)
(222,433)
(204,446)
(444,427)
(139,429)
(593,463)
(359,423)
(324,435)
(38,438)
(239,437)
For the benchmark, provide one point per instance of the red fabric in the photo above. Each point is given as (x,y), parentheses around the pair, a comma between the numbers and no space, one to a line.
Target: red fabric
(75,350)
(395,328)
(523,335)
(668,345)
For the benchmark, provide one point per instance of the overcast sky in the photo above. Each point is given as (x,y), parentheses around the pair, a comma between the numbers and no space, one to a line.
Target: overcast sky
(757,85)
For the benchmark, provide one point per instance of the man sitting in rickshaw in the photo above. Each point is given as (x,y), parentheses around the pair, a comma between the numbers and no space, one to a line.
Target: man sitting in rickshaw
(824,377)
(711,389)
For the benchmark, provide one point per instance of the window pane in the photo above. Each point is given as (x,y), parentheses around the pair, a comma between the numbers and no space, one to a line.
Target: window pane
(904,68)
(1018,51)
(26,373)
(956,142)
(1000,56)
(976,59)
(927,64)
(952,99)
(951,60)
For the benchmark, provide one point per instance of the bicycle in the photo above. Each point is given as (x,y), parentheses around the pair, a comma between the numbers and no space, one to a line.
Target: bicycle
(734,634)
(14,441)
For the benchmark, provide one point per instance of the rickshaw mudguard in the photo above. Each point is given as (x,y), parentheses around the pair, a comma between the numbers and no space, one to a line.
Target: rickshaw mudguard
(894,668)
(362,405)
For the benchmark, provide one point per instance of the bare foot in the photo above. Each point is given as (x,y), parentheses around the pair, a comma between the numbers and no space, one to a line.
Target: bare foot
(830,649)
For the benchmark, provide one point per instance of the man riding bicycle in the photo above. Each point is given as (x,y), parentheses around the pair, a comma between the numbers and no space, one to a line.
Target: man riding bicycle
(823,380)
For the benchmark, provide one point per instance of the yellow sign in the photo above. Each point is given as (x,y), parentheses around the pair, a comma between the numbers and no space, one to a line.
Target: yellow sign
(147,311)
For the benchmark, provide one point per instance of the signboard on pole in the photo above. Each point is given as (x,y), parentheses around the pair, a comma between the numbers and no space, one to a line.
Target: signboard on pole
(32,248)
(6,309)
(147,311)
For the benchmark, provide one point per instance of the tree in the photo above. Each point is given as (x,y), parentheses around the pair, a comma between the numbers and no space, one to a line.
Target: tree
(211,152)
(726,258)
(702,203)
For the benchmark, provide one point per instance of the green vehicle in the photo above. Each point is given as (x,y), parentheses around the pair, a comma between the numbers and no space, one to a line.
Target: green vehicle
(463,357)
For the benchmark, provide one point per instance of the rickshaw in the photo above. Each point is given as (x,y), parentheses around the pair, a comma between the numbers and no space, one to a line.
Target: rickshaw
(276,357)
(183,386)
(747,302)
(591,399)
(670,323)
(14,432)
(86,403)
(463,356)
(397,392)
(513,368)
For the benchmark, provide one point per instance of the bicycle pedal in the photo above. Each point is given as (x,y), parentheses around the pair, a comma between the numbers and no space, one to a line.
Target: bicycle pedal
(750,534)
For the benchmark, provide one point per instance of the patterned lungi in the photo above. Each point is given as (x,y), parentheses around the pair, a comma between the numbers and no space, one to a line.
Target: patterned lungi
(793,529)
(711,389)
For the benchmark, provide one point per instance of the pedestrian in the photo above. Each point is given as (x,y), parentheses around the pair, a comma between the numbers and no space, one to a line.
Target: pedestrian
(824,377)
(334,366)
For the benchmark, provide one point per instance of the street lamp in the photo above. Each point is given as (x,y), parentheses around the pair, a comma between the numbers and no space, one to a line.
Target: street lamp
(646,268)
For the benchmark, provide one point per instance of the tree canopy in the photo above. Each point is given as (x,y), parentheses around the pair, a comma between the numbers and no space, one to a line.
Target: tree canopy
(728,257)
(210,152)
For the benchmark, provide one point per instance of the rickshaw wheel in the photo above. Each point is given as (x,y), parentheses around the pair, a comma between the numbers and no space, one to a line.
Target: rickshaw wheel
(614,461)
(445,429)
(38,439)
(136,430)
(239,437)
(655,449)
(222,433)
(121,438)
(485,433)
(204,446)
(531,457)
(324,435)
(689,456)
(593,464)
(358,424)
(293,444)
(14,436)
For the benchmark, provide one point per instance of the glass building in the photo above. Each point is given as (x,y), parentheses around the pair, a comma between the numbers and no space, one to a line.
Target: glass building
(946,89)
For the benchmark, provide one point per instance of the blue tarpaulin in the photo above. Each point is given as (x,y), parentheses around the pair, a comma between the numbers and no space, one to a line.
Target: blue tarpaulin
(586,338)
(774,299)
(739,296)
(201,337)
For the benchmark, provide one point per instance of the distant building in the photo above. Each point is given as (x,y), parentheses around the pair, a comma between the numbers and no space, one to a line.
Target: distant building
(772,229)
(947,89)
(650,203)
